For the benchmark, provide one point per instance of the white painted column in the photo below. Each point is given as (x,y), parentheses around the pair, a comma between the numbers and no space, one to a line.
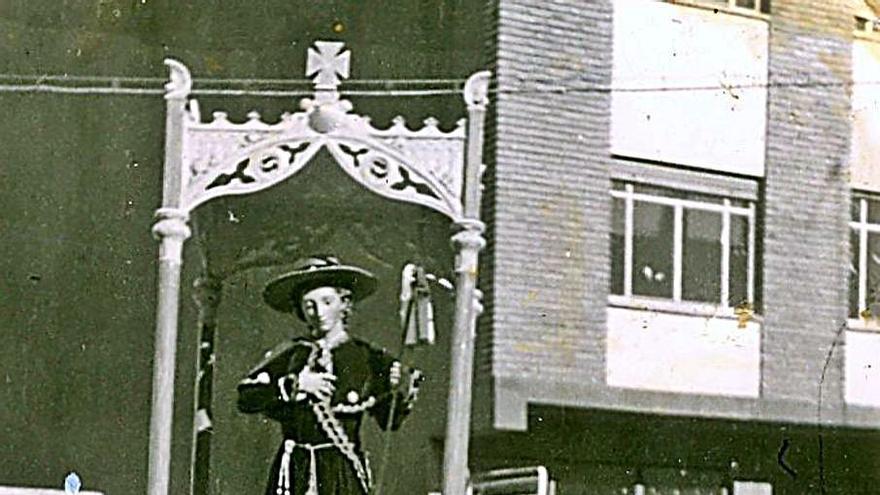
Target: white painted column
(468,243)
(171,231)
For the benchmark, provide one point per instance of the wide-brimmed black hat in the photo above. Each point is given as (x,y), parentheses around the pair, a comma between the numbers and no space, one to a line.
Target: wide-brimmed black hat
(284,293)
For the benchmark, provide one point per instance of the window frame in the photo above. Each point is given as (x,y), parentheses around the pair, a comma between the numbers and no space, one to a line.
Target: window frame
(862,227)
(676,304)
(870,31)
(870,23)
(758,11)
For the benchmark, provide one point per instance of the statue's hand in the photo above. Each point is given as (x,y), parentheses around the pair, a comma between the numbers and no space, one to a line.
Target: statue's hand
(415,380)
(410,386)
(395,373)
(318,385)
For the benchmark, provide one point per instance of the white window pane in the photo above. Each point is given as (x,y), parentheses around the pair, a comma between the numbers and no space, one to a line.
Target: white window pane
(873,211)
(855,209)
(652,250)
(854,274)
(738,277)
(701,263)
(618,230)
(873,292)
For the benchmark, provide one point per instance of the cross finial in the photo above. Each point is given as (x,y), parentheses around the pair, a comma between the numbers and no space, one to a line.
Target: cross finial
(329,63)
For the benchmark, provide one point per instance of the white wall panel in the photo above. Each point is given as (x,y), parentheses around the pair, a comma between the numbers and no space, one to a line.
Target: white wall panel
(650,350)
(862,365)
(865,149)
(662,54)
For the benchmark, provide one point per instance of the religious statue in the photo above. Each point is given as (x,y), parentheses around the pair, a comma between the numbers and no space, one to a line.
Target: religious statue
(319,387)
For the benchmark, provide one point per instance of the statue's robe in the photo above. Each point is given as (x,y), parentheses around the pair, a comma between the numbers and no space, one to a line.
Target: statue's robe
(321,452)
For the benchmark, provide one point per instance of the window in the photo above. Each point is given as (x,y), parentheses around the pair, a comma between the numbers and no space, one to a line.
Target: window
(762,6)
(683,247)
(866,25)
(864,298)
(865,16)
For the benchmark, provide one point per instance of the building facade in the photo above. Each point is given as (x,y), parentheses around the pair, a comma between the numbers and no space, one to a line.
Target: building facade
(679,280)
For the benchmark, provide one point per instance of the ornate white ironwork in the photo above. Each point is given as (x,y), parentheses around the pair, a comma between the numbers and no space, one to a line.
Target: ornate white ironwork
(179,80)
(476,90)
(329,62)
(423,166)
(427,166)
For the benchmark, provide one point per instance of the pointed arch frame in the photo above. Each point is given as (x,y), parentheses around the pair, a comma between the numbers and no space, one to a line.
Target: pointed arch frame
(206,160)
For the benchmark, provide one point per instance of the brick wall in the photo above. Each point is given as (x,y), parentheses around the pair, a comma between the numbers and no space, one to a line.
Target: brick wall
(546,269)
(483,358)
(806,202)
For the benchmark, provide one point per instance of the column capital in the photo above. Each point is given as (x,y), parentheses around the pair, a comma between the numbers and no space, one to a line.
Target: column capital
(171,231)
(468,242)
(171,223)
(471,224)
(470,236)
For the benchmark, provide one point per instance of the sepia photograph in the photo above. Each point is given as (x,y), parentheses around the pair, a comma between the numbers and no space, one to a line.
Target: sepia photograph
(440,247)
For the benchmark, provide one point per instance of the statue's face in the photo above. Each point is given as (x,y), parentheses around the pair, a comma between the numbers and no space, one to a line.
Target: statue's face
(325,308)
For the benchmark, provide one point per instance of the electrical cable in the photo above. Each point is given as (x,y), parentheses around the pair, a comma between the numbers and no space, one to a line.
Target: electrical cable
(51,84)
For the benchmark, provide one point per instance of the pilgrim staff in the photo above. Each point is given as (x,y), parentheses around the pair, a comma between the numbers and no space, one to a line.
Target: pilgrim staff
(417,327)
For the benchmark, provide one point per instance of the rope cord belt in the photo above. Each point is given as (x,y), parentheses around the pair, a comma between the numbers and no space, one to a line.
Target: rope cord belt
(284,475)
(332,428)
(340,440)
(355,408)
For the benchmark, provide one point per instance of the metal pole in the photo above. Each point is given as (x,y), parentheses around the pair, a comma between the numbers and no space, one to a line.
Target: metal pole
(468,242)
(171,231)
(166,344)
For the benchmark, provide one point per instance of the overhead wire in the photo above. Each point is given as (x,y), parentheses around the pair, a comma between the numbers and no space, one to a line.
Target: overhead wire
(214,80)
(154,86)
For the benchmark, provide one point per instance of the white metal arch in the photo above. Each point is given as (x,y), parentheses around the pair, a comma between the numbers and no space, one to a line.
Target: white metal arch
(385,167)
(205,160)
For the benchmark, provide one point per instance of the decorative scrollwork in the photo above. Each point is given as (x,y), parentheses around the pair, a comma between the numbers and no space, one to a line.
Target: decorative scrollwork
(424,165)
(180,80)
(355,154)
(438,154)
(209,145)
(239,174)
(476,89)
(254,169)
(387,172)
(406,183)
